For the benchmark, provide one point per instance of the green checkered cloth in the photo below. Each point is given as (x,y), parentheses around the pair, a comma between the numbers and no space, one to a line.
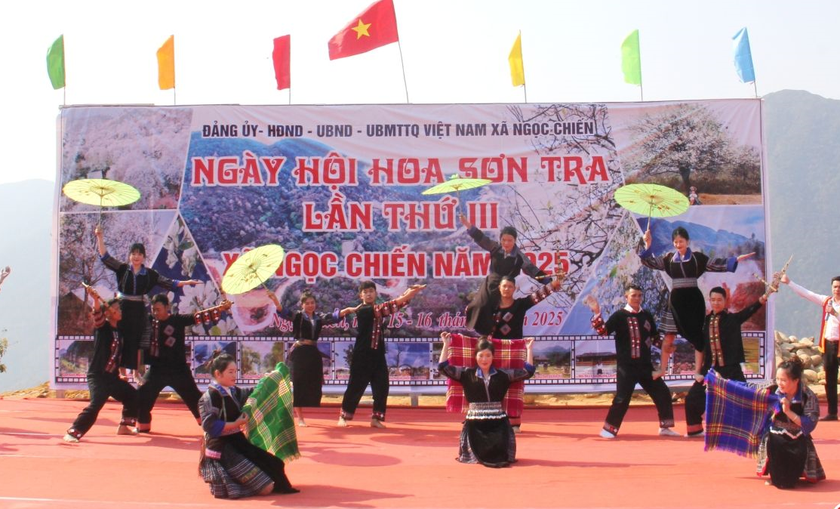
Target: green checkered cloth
(271,424)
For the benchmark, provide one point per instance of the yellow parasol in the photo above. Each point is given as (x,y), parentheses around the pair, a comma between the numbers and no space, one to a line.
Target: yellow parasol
(252,269)
(651,200)
(102,192)
(457,183)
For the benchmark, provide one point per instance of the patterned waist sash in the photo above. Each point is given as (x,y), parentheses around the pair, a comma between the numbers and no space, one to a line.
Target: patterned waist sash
(134,298)
(481,411)
(685,282)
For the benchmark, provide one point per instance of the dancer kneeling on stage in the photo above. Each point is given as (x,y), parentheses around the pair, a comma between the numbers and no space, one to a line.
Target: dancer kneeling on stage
(230,464)
(787,451)
(487,436)
(634,331)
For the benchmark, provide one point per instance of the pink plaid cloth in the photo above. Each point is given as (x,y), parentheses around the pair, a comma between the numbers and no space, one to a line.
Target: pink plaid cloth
(510,354)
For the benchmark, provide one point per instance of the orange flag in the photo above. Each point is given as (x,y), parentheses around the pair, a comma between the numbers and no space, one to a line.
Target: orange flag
(375,27)
(166,64)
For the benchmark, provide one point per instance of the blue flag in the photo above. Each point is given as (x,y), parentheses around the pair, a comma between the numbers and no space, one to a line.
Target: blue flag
(743,56)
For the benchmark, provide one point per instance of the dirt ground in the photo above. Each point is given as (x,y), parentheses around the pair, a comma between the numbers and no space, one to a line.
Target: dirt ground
(730,199)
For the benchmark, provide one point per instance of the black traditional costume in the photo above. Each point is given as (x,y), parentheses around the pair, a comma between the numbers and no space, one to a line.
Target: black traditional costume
(104,381)
(133,287)
(724,350)
(487,436)
(368,365)
(168,366)
(230,464)
(486,298)
(305,361)
(787,451)
(687,306)
(635,332)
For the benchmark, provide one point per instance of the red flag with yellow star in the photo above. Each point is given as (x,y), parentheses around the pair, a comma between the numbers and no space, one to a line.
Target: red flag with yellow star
(375,27)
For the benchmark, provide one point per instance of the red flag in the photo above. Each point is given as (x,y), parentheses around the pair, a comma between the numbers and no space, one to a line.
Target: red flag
(375,27)
(281,58)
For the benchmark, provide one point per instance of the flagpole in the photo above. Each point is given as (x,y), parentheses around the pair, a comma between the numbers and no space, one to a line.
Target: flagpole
(174,97)
(402,64)
(755,89)
(525,82)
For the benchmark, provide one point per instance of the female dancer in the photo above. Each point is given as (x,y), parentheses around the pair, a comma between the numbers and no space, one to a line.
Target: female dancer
(134,281)
(787,451)
(687,307)
(307,365)
(230,464)
(487,436)
(505,260)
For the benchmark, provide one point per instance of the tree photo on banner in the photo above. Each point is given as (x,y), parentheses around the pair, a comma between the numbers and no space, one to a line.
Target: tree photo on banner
(340,189)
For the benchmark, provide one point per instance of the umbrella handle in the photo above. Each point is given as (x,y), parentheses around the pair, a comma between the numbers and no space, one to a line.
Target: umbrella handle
(650,213)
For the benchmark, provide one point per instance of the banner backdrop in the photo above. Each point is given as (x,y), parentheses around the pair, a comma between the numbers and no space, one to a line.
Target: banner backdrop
(339,187)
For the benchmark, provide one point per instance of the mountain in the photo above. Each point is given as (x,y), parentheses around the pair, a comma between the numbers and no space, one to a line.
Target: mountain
(25,309)
(802,136)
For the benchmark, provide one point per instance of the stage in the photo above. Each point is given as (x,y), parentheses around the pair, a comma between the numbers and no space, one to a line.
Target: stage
(562,463)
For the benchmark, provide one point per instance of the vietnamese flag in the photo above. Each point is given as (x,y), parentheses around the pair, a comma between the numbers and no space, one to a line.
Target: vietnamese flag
(375,27)
(282,61)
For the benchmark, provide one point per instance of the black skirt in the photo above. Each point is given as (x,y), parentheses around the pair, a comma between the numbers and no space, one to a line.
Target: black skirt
(307,367)
(688,308)
(786,458)
(134,329)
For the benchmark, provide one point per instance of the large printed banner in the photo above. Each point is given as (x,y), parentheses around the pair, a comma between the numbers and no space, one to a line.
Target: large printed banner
(339,187)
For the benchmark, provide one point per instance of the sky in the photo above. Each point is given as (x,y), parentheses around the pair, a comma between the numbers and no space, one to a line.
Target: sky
(452,51)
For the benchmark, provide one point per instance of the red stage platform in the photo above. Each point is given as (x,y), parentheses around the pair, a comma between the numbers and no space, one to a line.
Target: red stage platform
(562,463)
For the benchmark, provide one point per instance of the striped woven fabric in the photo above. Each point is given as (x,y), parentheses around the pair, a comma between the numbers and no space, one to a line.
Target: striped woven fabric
(510,354)
(737,415)
(271,424)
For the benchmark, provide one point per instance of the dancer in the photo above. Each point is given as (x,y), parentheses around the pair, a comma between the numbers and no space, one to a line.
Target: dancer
(168,364)
(635,332)
(787,451)
(505,260)
(724,351)
(134,281)
(829,336)
(487,436)
(230,464)
(103,373)
(369,365)
(307,365)
(687,307)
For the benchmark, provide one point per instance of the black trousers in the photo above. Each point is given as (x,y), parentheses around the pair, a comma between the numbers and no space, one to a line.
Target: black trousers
(102,386)
(367,367)
(695,401)
(830,363)
(156,379)
(628,376)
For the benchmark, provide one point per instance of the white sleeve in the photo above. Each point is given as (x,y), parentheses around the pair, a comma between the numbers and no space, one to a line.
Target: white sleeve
(807,294)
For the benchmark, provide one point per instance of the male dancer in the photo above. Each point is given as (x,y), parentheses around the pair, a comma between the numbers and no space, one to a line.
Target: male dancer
(369,365)
(724,349)
(103,375)
(167,360)
(635,331)
(829,336)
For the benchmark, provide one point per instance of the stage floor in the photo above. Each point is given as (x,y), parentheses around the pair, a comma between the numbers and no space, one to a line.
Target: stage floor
(562,463)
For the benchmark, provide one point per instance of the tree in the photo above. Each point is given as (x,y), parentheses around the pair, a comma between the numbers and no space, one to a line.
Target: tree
(4,344)
(682,140)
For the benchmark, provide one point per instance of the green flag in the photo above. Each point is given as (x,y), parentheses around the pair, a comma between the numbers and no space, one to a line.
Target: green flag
(631,59)
(55,63)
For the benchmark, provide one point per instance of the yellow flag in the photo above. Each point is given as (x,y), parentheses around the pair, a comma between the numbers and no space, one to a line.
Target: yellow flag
(517,68)
(166,64)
